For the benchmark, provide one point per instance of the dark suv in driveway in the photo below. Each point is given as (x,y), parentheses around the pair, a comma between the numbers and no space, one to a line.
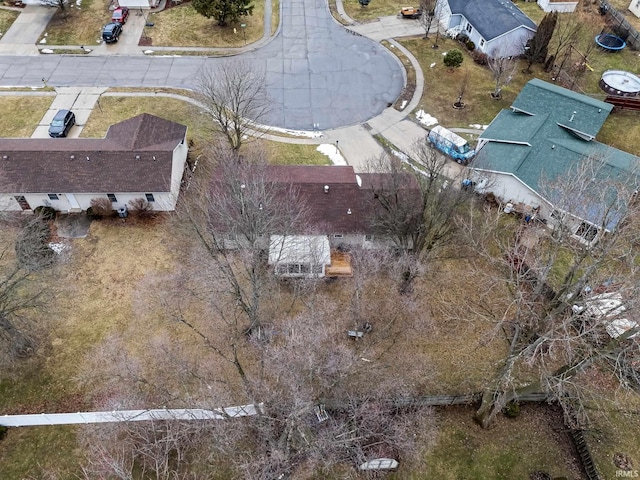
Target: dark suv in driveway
(111,32)
(62,123)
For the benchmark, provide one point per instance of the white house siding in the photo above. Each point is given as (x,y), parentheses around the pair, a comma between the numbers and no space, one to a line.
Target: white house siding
(163,201)
(511,43)
(560,7)
(177,171)
(634,7)
(508,188)
(443,14)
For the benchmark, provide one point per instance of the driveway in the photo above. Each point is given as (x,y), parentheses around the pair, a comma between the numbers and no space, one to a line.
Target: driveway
(318,73)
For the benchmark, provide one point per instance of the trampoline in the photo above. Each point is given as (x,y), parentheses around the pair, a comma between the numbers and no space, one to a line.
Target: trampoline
(610,42)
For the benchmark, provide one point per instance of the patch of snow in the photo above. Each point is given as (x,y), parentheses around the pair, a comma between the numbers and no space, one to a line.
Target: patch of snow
(401,155)
(478,126)
(148,52)
(444,53)
(58,247)
(0,34)
(404,104)
(425,119)
(46,50)
(331,151)
(78,2)
(297,133)
(391,45)
(432,65)
(45,34)
(43,41)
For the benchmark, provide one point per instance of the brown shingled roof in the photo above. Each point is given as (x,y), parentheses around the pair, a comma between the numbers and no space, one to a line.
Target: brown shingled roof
(347,207)
(134,156)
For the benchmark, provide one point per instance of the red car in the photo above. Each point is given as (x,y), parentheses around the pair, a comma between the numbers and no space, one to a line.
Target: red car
(120,15)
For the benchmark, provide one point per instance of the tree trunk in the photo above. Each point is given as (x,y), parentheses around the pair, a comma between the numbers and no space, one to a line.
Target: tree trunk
(21,345)
(493,402)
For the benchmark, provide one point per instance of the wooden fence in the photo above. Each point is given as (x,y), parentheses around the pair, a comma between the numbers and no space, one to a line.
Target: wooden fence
(621,27)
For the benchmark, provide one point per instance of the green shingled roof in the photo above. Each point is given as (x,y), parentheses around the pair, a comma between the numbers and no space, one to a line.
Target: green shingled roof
(570,109)
(554,149)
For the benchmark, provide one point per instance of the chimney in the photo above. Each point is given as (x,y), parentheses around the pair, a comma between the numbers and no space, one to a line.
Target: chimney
(326,189)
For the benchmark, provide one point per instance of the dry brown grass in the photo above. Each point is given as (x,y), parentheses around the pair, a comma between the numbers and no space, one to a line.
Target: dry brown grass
(7,17)
(169,28)
(78,25)
(22,114)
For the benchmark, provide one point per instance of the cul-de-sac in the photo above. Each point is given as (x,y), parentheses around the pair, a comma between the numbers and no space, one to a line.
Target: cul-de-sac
(319,239)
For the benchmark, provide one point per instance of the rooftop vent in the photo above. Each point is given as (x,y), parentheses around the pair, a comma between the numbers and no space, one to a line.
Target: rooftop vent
(572,116)
(137,157)
(4,157)
(348,211)
(87,159)
(72,157)
(326,189)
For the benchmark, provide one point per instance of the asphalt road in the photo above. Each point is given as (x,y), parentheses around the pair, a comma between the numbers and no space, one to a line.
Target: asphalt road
(319,75)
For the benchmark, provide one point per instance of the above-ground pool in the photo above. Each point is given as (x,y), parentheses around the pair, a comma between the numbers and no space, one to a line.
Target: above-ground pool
(610,42)
(621,83)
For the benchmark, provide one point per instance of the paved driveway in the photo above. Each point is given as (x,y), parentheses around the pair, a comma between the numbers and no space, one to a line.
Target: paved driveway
(318,73)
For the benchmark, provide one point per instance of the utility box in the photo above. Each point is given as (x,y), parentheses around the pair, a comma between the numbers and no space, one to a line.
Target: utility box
(123,212)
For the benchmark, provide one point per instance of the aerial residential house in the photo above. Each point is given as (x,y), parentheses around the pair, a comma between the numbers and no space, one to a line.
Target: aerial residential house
(339,208)
(548,132)
(142,157)
(497,27)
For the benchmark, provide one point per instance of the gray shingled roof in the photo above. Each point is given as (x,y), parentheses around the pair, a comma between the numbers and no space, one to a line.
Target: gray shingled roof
(134,156)
(492,18)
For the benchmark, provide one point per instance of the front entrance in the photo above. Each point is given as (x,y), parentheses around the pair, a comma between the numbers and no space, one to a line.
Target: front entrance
(24,205)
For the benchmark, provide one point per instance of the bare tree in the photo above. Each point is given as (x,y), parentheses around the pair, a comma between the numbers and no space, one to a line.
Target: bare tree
(551,342)
(18,294)
(235,217)
(235,95)
(464,84)
(420,218)
(502,69)
(61,4)
(428,9)
(566,33)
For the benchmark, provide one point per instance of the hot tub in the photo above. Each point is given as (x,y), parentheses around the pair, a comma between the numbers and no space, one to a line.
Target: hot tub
(620,83)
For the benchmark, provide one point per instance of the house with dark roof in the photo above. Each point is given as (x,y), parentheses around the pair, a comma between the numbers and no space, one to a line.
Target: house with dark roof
(545,136)
(497,27)
(340,208)
(142,157)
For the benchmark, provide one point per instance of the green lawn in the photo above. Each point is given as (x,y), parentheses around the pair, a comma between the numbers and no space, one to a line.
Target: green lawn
(375,9)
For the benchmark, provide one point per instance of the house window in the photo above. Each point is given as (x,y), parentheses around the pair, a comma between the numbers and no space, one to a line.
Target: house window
(231,236)
(112,197)
(587,231)
(149,197)
(316,269)
(481,42)
(337,235)
(368,238)
(53,196)
(469,28)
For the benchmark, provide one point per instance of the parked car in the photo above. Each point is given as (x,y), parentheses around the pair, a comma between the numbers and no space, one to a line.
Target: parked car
(410,12)
(111,32)
(120,15)
(451,144)
(62,123)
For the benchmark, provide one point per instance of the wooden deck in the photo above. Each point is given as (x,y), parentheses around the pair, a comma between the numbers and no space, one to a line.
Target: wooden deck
(340,265)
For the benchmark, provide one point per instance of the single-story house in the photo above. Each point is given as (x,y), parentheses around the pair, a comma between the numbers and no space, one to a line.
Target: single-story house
(546,134)
(560,6)
(142,157)
(339,208)
(497,27)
